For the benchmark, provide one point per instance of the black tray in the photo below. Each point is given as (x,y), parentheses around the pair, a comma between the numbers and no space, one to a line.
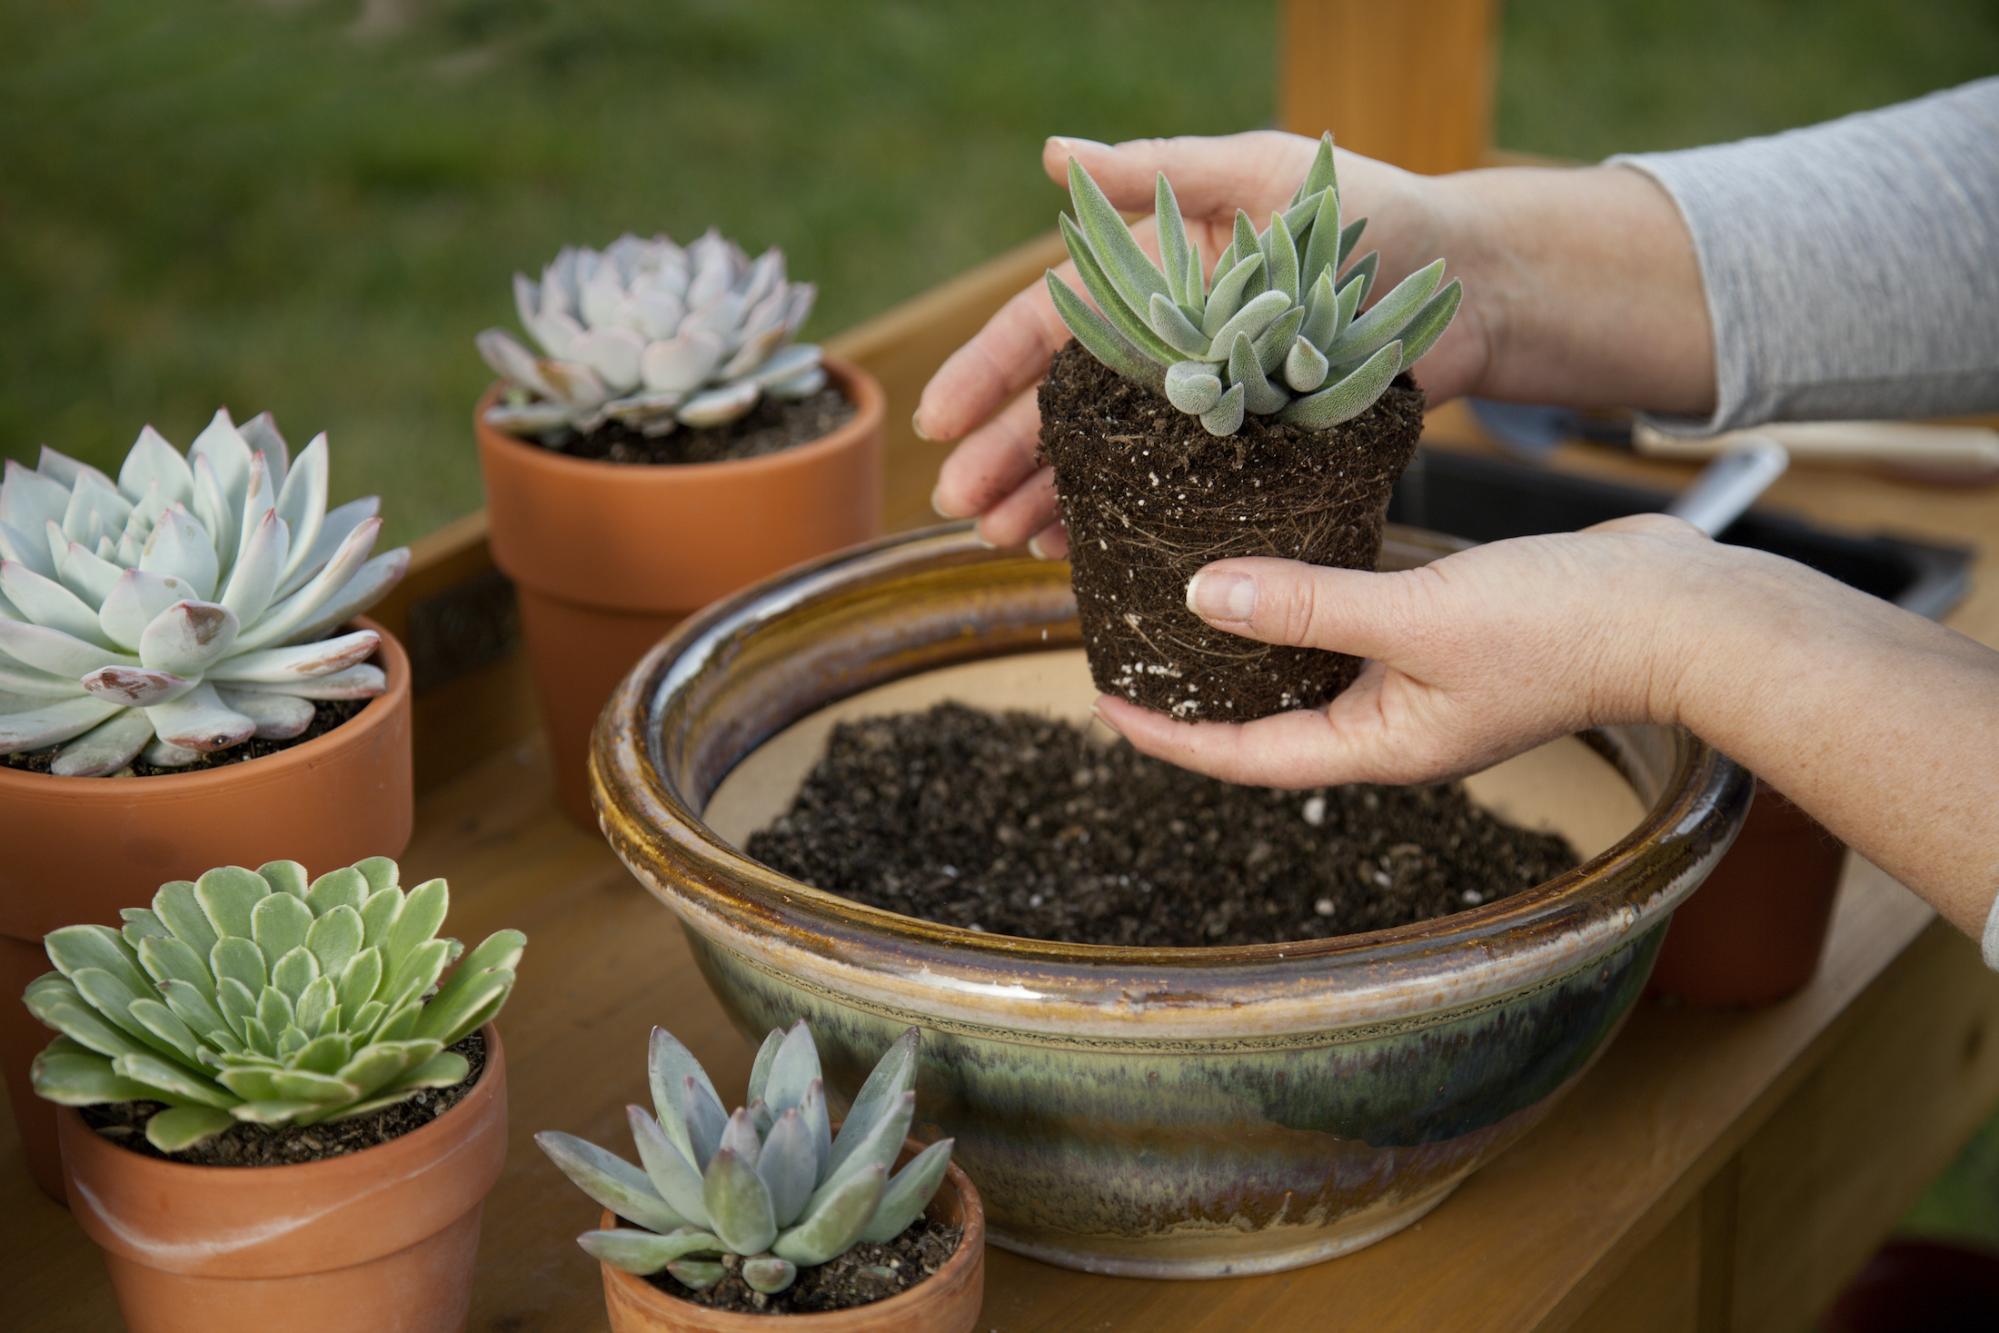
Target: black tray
(1487,499)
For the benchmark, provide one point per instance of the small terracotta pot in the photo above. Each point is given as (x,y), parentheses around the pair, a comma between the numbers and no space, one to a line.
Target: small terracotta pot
(80,849)
(381,1239)
(946,1302)
(1753,934)
(607,557)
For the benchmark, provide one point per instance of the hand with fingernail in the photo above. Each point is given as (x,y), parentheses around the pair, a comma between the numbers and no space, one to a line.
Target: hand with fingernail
(983,395)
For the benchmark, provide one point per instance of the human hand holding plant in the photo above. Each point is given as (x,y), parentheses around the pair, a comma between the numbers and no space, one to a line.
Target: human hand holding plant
(1880,723)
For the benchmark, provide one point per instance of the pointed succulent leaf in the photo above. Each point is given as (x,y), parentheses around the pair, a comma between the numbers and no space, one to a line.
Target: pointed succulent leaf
(1172,325)
(1305,366)
(643,1253)
(1322,174)
(1258,314)
(704,1119)
(880,1099)
(908,1193)
(1126,265)
(1420,334)
(1246,371)
(788,1165)
(1350,237)
(832,1224)
(1280,251)
(739,1207)
(1386,318)
(1351,396)
(668,1066)
(1322,247)
(1321,312)
(1173,251)
(760,1066)
(1096,335)
(1274,343)
(1126,318)
(610,1180)
(674,1178)
(741,1137)
(792,1069)
(1362,273)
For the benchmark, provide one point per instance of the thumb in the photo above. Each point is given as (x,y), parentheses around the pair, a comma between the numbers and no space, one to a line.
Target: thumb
(1212,176)
(1307,606)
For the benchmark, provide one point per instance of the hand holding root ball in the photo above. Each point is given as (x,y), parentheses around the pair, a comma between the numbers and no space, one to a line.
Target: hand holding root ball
(1583,286)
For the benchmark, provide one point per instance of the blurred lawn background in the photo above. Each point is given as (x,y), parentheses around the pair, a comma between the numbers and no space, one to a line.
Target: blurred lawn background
(312,205)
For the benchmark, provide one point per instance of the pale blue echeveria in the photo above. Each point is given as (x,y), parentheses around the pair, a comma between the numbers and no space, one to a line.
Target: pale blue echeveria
(652,336)
(185,606)
(769,1183)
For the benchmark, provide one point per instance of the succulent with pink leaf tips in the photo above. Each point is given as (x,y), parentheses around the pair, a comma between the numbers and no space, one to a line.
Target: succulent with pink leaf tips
(768,1189)
(652,336)
(184,607)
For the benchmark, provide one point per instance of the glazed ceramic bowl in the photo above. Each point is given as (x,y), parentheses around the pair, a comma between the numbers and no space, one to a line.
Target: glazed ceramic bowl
(1156,1112)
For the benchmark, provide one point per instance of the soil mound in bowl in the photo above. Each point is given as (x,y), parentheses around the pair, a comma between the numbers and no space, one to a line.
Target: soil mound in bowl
(1020,824)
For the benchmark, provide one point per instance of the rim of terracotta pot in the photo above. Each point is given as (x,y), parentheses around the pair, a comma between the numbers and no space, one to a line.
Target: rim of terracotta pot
(860,388)
(265,768)
(744,669)
(971,1245)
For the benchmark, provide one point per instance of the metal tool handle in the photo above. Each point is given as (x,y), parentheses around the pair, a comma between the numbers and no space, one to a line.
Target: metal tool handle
(1973,448)
(1730,484)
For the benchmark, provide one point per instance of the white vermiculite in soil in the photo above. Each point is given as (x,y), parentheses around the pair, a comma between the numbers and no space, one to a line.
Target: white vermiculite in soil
(652,336)
(260,997)
(1273,330)
(184,607)
(769,1184)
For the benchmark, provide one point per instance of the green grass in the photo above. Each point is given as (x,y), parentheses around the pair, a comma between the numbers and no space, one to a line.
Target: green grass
(270,205)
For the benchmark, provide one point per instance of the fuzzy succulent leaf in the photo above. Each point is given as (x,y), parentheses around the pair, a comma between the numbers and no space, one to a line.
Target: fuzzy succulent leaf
(1281,290)
(1353,394)
(653,335)
(159,598)
(228,1001)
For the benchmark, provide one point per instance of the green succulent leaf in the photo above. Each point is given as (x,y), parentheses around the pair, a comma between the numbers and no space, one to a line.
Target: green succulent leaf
(1230,291)
(696,1274)
(789,1166)
(610,1180)
(1321,175)
(1173,250)
(1123,261)
(644,1253)
(1172,325)
(1259,395)
(760,1067)
(179,1128)
(1280,252)
(1226,416)
(1096,335)
(1351,396)
(1111,303)
(1384,321)
(228,895)
(1322,248)
(1305,366)
(767,1273)
(909,1192)
(886,1098)
(1274,343)
(1193,386)
(832,1224)
(1420,334)
(1362,274)
(739,1207)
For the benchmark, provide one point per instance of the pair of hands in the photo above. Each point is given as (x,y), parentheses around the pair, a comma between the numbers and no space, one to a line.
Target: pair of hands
(1473,658)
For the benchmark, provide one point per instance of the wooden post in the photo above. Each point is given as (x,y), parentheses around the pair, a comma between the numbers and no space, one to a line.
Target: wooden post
(1408,83)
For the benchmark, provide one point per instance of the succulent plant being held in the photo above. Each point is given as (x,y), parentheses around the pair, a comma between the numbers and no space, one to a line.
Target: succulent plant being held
(652,336)
(259,996)
(185,607)
(769,1186)
(1273,330)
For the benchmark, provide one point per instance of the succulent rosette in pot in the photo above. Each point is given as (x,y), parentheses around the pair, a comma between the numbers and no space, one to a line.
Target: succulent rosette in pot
(1252,408)
(184,607)
(658,437)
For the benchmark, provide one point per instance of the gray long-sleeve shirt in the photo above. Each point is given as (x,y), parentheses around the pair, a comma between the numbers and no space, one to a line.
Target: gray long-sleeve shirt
(1852,268)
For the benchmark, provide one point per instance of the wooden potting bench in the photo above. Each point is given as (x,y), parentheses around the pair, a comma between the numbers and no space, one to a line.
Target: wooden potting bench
(1714,1171)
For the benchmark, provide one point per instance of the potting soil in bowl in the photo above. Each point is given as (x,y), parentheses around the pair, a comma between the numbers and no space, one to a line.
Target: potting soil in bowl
(978,797)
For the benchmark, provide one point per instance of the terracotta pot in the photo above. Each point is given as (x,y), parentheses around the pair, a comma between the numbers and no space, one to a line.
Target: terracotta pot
(947,1302)
(1173,1112)
(80,849)
(607,557)
(1754,933)
(381,1239)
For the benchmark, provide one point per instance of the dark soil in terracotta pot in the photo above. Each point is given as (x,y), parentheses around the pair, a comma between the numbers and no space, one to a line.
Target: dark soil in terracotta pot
(1018,824)
(326,715)
(124,1123)
(772,425)
(1150,497)
(863,1275)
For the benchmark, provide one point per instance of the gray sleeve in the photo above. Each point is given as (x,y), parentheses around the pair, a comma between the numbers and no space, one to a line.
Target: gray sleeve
(1852,268)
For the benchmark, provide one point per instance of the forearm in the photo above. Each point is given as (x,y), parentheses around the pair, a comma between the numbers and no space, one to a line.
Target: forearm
(1589,283)
(1882,725)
